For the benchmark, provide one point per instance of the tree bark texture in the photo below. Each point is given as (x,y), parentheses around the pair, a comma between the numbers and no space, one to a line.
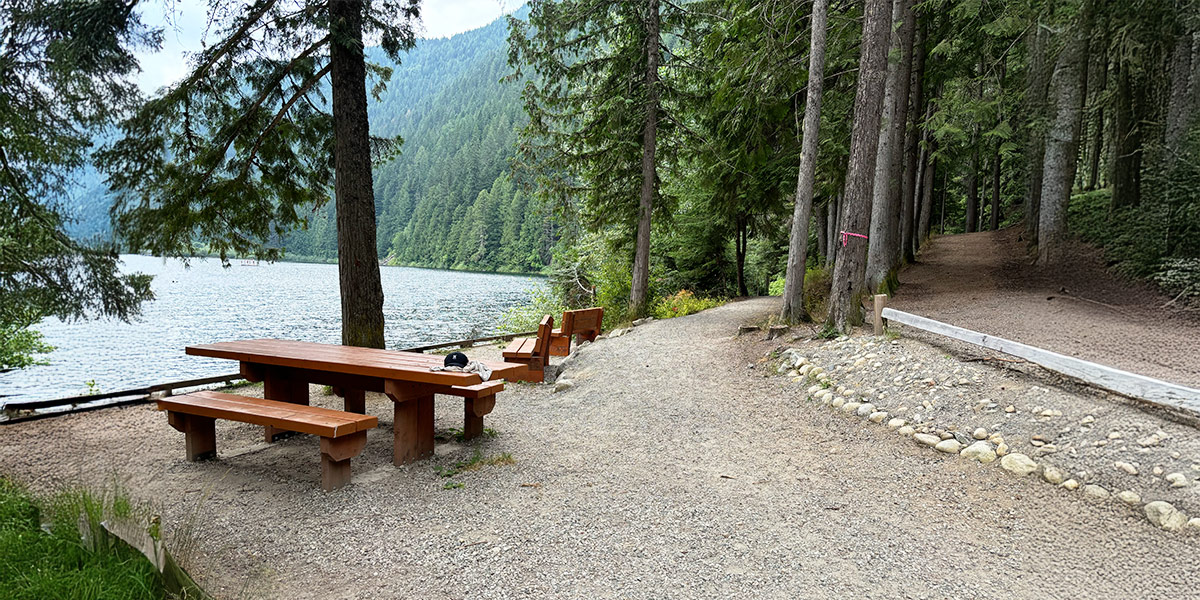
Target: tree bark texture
(1127,143)
(1062,141)
(1180,106)
(641,259)
(358,259)
(832,219)
(849,269)
(820,220)
(1097,142)
(926,212)
(885,208)
(739,249)
(793,286)
(973,176)
(1036,104)
(909,199)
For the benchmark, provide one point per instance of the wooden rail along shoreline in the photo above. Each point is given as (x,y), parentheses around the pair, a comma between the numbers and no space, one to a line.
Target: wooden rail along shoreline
(77,404)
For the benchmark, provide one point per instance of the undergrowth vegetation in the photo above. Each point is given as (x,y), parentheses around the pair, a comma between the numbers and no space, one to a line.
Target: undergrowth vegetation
(55,548)
(1158,239)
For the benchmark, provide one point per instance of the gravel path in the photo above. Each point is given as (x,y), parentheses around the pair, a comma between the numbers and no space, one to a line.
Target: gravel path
(669,469)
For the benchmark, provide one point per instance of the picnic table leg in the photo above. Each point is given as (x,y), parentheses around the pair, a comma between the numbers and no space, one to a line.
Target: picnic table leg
(413,424)
(474,409)
(199,434)
(279,385)
(355,400)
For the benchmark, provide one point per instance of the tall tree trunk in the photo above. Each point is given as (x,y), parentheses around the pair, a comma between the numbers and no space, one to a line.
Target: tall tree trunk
(739,251)
(819,218)
(885,208)
(358,259)
(973,176)
(1097,144)
(927,196)
(793,286)
(1035,106)
(849,269)
(909,198)
(1062,141)
(641,258)
(831,225)
(995,220)
(1127,142)
(1181,107)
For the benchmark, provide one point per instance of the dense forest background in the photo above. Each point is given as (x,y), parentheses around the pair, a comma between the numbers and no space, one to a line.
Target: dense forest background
(1072,118)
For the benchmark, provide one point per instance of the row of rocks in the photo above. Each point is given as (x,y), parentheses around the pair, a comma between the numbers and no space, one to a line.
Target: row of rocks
(981,445)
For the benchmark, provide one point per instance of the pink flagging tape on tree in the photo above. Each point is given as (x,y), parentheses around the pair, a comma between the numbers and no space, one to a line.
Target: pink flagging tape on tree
(846,236)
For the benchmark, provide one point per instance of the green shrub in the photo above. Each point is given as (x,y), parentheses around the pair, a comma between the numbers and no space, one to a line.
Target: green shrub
(682,303)
(525,317)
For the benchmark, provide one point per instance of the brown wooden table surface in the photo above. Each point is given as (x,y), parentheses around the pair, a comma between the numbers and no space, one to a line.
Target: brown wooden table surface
(287,367)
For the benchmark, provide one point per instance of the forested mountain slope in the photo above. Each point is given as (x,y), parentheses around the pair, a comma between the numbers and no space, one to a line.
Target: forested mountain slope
(446,201)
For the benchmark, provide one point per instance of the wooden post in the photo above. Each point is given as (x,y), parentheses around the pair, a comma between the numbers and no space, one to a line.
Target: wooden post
(880,302)
(412,426)
(473,411)
(199,434)
(279,384)
(355,400)
(335,458)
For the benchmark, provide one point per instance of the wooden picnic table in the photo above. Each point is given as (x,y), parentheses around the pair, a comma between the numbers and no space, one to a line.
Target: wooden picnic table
(287,367)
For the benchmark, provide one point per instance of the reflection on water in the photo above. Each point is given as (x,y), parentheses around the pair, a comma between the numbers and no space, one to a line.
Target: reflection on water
(208,303)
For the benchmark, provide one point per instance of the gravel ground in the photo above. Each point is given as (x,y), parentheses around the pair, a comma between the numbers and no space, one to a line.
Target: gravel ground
(669,469)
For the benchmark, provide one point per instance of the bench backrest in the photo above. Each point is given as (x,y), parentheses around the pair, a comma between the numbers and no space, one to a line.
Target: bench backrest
(541,345)
(584,322)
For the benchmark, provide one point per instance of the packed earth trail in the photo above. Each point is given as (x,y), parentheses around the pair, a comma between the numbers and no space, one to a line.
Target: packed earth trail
(676,463)
(985,282)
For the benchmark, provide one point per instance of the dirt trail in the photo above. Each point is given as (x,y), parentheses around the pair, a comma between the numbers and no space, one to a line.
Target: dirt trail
(670,469)
(983,281)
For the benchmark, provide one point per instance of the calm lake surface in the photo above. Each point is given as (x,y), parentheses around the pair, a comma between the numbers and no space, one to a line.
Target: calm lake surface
(208,303)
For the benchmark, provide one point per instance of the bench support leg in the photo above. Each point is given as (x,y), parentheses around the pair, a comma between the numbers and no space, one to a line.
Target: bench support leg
(335,458)
(473,411)
(355,400)
(278,385)
(199,435)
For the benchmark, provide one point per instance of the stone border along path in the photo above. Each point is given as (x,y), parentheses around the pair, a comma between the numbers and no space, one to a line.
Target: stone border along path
(980,445)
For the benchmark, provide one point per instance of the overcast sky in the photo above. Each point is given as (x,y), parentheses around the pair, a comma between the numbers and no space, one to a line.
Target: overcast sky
(185,26)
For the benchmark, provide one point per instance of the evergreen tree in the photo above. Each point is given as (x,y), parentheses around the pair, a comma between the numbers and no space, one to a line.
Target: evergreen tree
(232,157)
(597,103)
(64,73)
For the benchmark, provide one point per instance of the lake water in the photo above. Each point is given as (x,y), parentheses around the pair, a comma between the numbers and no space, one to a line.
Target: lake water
(208,303)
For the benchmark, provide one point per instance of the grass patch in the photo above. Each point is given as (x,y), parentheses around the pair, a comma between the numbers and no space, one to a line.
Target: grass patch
(476,462)
(56,548)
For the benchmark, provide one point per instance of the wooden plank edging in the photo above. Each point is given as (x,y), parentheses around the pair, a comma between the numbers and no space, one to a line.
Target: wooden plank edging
(1151,390)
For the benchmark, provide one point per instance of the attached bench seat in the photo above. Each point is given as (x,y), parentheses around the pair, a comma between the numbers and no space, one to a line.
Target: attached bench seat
(534,352)
(343,435)
(583,324)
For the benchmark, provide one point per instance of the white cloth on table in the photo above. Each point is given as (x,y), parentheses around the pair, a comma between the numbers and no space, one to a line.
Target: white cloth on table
(483,370)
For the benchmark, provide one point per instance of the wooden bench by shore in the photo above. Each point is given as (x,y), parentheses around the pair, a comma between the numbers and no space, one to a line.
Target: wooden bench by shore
(533,352)
(343,435)
(583,324)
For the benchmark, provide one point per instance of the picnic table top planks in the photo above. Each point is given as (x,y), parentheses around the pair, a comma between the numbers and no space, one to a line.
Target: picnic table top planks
(351,360)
